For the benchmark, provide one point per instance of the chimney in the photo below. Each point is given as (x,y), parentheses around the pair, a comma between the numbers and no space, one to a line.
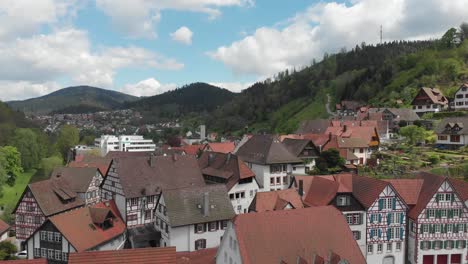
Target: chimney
(206,204)
(202,132)
(174,157)
(301,188)
(345,127)
(151,160)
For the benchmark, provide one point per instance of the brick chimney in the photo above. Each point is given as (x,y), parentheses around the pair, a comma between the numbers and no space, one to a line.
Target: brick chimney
(301,188)
(206,204)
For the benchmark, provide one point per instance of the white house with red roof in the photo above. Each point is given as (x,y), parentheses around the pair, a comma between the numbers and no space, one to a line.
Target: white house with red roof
(438,218)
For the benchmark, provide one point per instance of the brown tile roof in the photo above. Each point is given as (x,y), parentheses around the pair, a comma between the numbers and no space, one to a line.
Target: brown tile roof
(204,256)
(276,200)
(367,189)
(317,126)
(317,191)
(226,166)
(409,189)
(101,163)
(50,197)
(222,147)
(435,95)
(266,149)
(185,206)
(166,255)
(285,235)
(461,187)
(352,143)
(192,149)
(77,179)
(3,227)
(25,261)
(296,146)
(78,227)
(138,177)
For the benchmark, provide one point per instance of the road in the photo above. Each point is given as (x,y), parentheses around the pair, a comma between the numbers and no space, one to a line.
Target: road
(327,106)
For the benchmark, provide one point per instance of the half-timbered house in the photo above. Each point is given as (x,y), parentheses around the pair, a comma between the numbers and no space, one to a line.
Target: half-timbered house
(230,170)
(85,182)
(135,183)
(438,218)
(193,218)
(94,228)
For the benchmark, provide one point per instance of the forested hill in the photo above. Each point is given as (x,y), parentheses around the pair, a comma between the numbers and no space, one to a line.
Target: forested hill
(378,74)
(74,99)
(196,98)
(9,120)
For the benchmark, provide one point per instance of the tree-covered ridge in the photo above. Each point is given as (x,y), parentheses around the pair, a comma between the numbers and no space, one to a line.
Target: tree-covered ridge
(199,98)
(71,98)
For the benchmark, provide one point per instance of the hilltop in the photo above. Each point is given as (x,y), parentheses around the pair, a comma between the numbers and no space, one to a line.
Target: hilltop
(73,99)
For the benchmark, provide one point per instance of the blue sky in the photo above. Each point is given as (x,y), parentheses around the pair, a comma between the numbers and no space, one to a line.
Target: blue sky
(146,47)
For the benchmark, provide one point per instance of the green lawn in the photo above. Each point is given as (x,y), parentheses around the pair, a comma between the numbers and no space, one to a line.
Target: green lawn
(12,194)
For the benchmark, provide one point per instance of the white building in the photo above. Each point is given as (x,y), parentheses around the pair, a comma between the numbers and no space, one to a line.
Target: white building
(230,170)
(452,132)
(99,227)
(271,162)
(461,98)
(193,218)
(125,143)
(429,100)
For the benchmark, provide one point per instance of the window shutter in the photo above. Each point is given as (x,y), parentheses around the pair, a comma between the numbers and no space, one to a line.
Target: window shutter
(421,244)
(432,244)
(381,201)
(437,198)
(380,218)
(379,233)
(455,228)
(372,218)
(457,243)
(452,197)
(389,218)
(427,213)
(393,203)
(371,233)
(464,243)
(402,218)
(388,234)
(450,213)
(361,218)
(195,228)
(402,233)
(445,243)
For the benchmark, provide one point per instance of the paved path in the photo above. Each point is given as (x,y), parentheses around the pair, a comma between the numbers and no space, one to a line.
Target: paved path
(327,106)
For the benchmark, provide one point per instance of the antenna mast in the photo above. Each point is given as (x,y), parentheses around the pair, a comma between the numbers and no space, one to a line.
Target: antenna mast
(381,34)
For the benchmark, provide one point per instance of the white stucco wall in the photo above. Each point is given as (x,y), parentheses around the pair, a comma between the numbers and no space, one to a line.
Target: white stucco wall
(250,189)
(228,251)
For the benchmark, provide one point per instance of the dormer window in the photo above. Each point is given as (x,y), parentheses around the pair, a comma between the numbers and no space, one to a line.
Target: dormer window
(343,200)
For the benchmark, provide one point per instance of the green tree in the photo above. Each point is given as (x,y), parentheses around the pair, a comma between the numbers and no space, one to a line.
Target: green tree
(449,39)
(7,249)
(47,166)
(68,137)
(413,134)
(11,162)
(26,142)
(464,31)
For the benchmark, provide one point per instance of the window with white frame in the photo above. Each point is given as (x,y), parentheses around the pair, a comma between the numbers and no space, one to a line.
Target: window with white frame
(431,212)
(456,213)
(370,249)
(379,248)
(449,228)
(437,244)
(425,245)
(50,253)
(343,200)
(443,213)
(58,255)
(390,233)
(398,246)
(389,247)
(437,228)
(425,228)
(389,203)
(43,235)
(200,228)
(357,235)
(396,233)
(213,226)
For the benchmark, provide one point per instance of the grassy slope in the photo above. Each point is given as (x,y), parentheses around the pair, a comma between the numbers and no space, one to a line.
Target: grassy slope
(12,194)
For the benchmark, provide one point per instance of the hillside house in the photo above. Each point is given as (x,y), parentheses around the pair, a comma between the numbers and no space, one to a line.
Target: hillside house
(230,170)
(193,218)
(460,102)
(452,132)
(429,100)
(303,149)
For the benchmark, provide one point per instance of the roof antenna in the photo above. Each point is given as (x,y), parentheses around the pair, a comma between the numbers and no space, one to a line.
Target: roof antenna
(381,34)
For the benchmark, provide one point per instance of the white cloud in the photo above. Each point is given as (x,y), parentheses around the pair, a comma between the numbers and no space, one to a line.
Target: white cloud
(25,17)
(138,18)
(148,87)
(235,87)
(23,90)
(183,35)
(67,53)
(327,27)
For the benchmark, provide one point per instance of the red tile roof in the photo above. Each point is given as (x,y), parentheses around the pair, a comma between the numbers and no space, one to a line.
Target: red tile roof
(367,189)
(81,231)
(3,227)
(165,255)
(204,256)
(92,162)
(276,200)
(409,189)
(25,261)
(192,149)
(461,187)
(317,191)
(271,237)
(222,147)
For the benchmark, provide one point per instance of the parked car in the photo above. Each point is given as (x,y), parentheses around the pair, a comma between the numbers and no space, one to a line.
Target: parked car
(22,254)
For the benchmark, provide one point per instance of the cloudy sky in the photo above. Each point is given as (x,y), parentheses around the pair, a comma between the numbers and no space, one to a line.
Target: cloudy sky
(146,47)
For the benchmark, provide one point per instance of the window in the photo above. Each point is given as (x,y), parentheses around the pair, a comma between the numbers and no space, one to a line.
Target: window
(50,253)
(278,180)
(389,247)
(58,255)
(132,217)
(285,180)
(379,248)
(370,249)
(242,194)
(343,200)
(431,213)
(251,193)
(147,214)
(437,228)
(437,244)
(448,244)
(449,228)
(199,228)
(151,199)
(50,236)
(37,219)
(443,213)
(213,226)
(442,137)
(134,201)
(425,228)
(43,235)
(398,246)
(361,150)
(64,256)
(425,245)
(57,237)
(164,210)
(390,233)
(223,224)
(272,180)
(43,253)
(239,208)
(37,252)
(200,244)
(448,197)
(167,229)
(353,219)
(357,235)
(456,213)
(389,203)
(454,138)
(30,207)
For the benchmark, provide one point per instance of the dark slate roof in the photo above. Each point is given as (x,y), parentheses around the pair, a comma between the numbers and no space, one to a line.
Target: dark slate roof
(78,179)
(405,114)
(296,146)
(266,149)
(443,127)
(184,206)
(317,126)
(226,166)
(139,178)
(53,198)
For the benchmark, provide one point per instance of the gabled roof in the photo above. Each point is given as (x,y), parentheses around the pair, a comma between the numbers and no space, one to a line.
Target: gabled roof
(316,126)
(163,255)
(274,236)
(78,227)
(102,163)
(3,227)
(276,200)
(434,95)
(352,143)
(409,189)
(78,179)
(296,146)
(461,187)
(185,206)
(367,190)
(50,197)
(317,191)
(266,149)
(203,256)
(222,147)
(226,166)
(450,122)
(148,175)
